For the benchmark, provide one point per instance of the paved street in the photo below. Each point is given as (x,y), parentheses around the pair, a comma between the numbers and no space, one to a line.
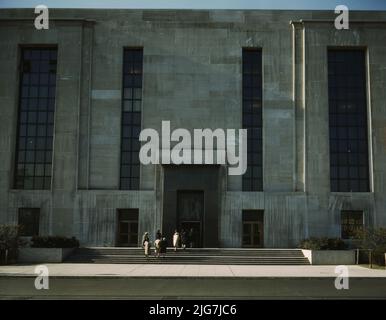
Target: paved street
(68,281)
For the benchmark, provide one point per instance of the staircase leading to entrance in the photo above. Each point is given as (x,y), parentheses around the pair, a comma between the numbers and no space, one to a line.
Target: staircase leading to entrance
(191,256)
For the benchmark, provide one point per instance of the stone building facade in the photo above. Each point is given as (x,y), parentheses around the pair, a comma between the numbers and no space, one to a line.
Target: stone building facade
(192,75)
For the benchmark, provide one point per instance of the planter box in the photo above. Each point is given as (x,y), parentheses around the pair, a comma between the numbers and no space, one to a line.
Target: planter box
(330,257)
(38,255)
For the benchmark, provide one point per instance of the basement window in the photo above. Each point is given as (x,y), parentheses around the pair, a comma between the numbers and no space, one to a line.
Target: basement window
(29,221)
(352,222)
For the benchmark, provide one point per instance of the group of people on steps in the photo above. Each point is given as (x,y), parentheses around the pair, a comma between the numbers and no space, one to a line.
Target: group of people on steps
(181,239)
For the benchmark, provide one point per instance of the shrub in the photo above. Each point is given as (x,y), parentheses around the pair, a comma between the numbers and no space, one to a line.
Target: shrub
(322,244)
(54,242)
(9,243)
(374,239)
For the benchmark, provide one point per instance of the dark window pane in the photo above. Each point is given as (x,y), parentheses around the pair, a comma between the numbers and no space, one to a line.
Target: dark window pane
(31,130)
(126,132)
(51,104)
(29,170)
(126,157)
(41,131)
(30,157)
(135,158)
(47,182)
(47,170)
(39,170)
(42,117)
(125,184)
(134,183)
(33,104)
(38,183)
(22,143)
(135,171)
(44,79)
(50,130)
(48,156)
(136,131)
(126,118)
(23,130)
(136,118)
(364,185)
(21,157)
(28,183)
(135,145)
(125,171)
(334,185)
(334,172)
(126,144)
(343,185)
(31,144)
(40,157)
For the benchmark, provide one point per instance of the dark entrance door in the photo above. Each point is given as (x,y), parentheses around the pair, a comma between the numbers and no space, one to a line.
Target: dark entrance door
(190,213)
(193,232)
(127,228)
(253,229)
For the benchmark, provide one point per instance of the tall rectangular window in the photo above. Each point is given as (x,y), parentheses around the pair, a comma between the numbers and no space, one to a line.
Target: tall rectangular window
(349,164)
(35,118)
(28,220)
(131,118)
(252,118)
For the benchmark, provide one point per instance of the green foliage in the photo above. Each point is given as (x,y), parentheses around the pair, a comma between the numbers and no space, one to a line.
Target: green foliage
(9,243)
(54,242)
(322,244)
(374,239)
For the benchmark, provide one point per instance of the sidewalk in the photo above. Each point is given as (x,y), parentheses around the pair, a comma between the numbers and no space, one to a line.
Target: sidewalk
(173,271)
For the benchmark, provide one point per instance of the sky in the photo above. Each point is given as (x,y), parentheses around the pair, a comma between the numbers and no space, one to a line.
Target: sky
(200,4)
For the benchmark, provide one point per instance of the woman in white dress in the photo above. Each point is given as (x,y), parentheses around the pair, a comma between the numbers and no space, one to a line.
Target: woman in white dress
(157,246)
(146,243)
(176,240)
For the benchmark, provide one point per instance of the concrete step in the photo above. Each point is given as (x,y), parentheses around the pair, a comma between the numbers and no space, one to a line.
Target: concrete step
(212,256)
(196,257)
(139,251)
(180,257)
(188,259)
(161,261)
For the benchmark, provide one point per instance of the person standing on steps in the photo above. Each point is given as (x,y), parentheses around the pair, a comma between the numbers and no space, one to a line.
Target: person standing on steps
(146,243)
(157,245)
(158,235)
(183,239)
(176,240)
(163,246)
(191,238)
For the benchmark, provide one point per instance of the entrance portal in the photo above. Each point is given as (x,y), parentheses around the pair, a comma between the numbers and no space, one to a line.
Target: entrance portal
(191,199)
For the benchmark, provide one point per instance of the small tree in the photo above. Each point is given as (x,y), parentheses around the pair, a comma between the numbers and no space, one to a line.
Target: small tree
(9,243)
(374,239)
